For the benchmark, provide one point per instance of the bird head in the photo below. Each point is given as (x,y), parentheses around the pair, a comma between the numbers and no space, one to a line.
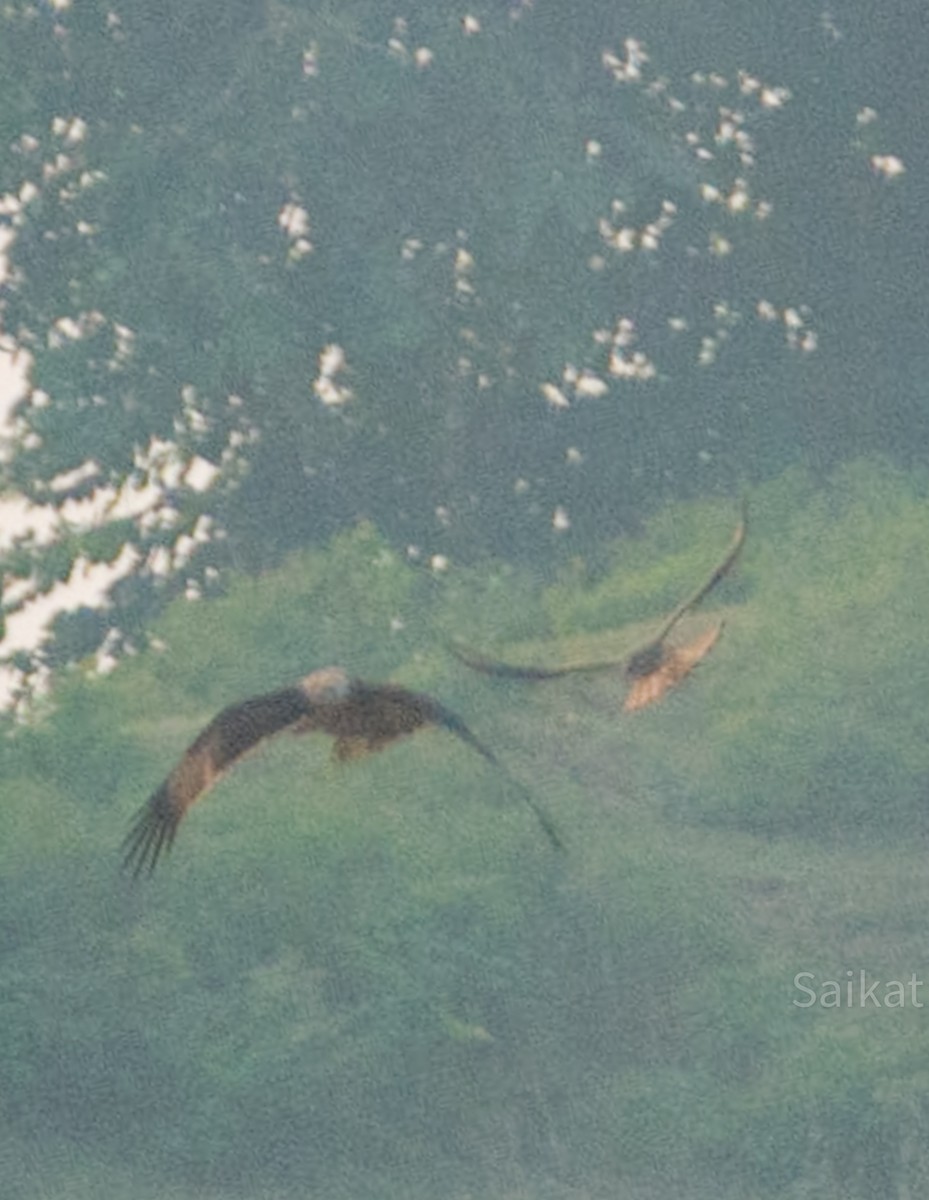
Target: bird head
(326,686)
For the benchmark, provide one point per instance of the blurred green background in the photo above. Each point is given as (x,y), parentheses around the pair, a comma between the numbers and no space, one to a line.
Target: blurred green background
(378,981)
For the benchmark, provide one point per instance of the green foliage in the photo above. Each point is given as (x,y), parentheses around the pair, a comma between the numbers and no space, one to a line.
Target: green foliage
(337,962)
(84,754)
(829,718)
(491,602)
(336,605)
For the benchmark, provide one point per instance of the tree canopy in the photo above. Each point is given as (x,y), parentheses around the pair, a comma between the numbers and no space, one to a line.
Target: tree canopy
(500,283)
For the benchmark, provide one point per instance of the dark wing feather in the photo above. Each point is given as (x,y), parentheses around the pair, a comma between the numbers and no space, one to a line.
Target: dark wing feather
(230,735)
(646,662)
(446,719)
(722,568)
(504,670)
(643,662)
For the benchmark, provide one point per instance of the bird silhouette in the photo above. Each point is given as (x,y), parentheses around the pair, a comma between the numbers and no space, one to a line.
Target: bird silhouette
(655,667)
(362,717)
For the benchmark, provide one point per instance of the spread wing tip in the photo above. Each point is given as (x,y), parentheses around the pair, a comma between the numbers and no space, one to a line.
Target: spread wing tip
(503,670)
(450,721)
(151,834)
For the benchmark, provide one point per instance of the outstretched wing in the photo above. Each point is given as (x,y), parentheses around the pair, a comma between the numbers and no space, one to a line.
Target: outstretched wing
(504,670)
(644,665)
(722,568)
(446,719)
(230,735)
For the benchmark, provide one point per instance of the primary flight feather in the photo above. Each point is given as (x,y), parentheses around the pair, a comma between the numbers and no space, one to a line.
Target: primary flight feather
(362,717)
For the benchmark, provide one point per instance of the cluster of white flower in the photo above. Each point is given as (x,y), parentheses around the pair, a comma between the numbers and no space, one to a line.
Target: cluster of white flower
(624,362)
(331,363)
(797,332)
(885,166)
(398,46)
(626,238)
(295,222)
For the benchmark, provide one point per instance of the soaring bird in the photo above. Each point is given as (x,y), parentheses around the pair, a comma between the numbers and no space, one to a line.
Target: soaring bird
(362,717)
(652,669)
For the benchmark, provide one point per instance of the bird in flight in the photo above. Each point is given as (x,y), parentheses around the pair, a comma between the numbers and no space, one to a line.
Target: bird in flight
(362,717)
(654,668)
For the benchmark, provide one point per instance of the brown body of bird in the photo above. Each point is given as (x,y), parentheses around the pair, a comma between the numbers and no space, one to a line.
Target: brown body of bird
(362,718)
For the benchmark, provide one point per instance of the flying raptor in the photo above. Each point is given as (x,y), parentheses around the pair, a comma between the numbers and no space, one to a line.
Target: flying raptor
(654,668)
(362,717)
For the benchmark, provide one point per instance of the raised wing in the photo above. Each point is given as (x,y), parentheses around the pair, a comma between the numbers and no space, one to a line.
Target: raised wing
(230,735)
(722,568)
(645,665)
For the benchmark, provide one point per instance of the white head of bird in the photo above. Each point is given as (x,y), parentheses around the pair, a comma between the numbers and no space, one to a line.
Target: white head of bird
(326,686)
